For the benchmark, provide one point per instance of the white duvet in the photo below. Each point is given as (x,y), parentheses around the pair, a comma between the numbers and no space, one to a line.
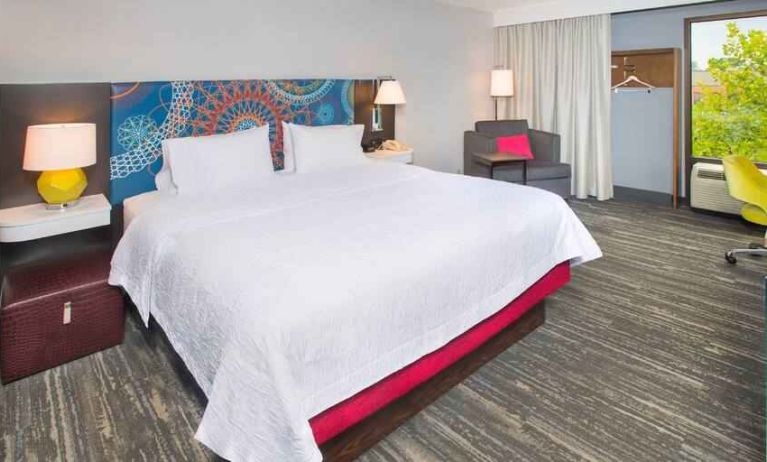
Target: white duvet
(287,297)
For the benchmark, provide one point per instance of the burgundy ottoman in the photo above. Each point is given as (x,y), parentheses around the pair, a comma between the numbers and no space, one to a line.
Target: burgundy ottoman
(55,312)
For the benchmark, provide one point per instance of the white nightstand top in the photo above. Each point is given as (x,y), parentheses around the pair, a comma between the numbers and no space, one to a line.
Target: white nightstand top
(406,156)
(35,221)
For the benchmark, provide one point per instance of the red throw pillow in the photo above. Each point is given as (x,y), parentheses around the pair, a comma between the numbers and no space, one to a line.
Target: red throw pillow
(514,144)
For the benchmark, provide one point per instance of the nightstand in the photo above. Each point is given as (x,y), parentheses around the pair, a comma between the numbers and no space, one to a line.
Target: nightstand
(405,157)
(36,221)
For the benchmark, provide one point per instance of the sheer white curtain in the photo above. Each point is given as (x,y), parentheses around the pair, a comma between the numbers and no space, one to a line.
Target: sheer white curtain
(562,73)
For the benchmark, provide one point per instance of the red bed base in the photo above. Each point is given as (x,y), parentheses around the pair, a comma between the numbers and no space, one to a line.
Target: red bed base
(353,410)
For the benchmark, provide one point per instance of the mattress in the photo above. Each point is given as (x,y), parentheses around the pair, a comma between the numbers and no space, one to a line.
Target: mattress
(137,205)
(288,297)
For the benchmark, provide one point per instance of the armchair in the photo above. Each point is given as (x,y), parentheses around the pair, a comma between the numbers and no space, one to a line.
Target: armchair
(544,171)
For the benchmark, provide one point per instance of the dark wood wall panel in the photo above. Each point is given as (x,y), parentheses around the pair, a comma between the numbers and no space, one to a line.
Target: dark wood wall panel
(364,95)
(654,66)
(24,105)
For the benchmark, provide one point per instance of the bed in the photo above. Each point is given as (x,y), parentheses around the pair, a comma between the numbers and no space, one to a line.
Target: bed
(410,247)
(323,308)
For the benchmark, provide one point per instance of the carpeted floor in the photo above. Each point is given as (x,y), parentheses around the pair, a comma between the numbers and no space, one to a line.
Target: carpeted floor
(652,353)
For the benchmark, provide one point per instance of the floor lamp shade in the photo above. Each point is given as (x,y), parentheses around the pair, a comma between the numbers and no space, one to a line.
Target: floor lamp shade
(60,151)
(502,83)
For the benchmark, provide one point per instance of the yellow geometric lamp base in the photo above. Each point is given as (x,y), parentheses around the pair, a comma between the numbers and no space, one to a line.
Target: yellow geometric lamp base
(61,187)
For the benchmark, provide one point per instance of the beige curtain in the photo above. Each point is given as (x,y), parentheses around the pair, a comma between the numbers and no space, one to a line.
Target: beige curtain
(562,85)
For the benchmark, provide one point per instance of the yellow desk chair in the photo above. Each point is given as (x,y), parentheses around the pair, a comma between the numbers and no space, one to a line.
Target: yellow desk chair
(746,182)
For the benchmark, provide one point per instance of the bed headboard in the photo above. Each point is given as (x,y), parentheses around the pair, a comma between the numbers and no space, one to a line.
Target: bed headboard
(145,113)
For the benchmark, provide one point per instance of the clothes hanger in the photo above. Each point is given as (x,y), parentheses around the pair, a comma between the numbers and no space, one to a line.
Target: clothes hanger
(633,78)
(630,78)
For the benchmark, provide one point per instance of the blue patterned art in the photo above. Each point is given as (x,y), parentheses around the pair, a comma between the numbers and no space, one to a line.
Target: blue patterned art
(144,114)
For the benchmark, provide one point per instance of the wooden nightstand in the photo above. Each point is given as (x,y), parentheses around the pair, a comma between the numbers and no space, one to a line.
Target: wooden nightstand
(405,157)
(35,221)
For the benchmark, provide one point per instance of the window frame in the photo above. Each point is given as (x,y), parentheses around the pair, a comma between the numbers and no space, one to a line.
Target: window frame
(688,22)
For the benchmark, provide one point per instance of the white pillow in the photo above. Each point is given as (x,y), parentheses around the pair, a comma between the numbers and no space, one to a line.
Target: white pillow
(289,159)
(163,180)
(325,147)
(204,163)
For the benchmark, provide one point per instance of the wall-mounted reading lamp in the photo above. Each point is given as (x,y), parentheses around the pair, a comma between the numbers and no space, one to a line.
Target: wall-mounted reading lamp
(388,91)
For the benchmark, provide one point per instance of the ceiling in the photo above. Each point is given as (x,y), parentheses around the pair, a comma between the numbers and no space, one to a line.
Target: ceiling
(507,12)
(488,5)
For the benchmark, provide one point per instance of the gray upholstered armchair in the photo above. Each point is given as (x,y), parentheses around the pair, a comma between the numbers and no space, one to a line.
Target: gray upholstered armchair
(545,171)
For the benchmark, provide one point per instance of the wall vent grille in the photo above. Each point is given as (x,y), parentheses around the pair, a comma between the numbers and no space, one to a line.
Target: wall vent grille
(708,189)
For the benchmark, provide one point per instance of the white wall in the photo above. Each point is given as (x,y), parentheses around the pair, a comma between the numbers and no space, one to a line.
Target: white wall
(442,54)
(444,57)
(525,11)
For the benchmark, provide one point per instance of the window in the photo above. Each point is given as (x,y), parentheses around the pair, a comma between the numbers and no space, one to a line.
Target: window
(728,86)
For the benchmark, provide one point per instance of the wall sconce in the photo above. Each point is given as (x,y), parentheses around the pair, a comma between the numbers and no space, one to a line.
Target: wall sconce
(388,91)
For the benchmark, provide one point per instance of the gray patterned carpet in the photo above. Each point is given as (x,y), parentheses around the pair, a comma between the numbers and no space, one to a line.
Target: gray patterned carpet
(652,353)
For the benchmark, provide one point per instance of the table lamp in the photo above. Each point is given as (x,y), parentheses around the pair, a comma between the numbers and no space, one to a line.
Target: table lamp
(501,85)
(60,151)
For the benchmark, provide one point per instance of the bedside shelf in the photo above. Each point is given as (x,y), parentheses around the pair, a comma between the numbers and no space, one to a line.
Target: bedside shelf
(405,157)
(29,222)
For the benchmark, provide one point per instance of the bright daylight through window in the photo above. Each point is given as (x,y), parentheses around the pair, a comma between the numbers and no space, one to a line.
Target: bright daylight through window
(729,88)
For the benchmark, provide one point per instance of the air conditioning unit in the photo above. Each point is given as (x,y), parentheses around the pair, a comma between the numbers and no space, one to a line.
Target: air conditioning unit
(708,189)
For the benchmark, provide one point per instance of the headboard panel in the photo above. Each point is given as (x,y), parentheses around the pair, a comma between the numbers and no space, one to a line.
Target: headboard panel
(145,113)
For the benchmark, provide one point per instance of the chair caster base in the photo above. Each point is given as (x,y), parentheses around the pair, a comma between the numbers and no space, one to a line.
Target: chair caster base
(753,250)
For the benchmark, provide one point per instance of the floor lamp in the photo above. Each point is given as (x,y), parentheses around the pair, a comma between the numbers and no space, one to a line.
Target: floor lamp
(501,85)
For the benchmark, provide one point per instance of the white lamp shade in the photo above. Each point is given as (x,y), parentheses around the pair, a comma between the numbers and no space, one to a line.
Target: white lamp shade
(502,83)
(60,146)
(390,92)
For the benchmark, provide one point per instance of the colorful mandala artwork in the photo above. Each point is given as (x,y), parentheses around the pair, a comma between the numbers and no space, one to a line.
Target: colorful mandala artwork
(144,114)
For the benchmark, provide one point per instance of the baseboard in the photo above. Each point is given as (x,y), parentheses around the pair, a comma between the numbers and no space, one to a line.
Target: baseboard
(718,214)
(626,194)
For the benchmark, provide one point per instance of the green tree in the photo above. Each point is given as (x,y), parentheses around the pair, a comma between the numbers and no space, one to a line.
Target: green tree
(733,119)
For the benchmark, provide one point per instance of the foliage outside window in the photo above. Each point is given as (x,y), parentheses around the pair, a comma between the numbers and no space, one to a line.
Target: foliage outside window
(729,112)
